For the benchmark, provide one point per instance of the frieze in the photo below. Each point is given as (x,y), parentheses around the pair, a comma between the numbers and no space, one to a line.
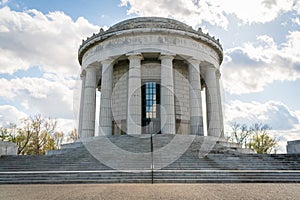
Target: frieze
(150,40)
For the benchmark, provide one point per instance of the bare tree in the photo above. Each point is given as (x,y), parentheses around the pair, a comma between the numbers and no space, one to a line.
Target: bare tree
(35,136)
(3,134)
(256,137)
(261,141)
(240,134)
(58,138)
(8,133)
(73,136)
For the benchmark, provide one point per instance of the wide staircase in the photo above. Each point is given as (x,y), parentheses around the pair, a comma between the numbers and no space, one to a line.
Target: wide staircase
(142,159)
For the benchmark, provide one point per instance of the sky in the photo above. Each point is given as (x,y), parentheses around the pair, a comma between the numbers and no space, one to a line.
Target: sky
(39,70)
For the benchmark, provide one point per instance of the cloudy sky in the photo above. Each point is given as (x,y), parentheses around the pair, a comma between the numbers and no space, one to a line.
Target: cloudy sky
(260,72)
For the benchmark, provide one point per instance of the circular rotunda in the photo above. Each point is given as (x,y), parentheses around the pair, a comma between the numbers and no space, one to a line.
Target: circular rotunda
(155,75)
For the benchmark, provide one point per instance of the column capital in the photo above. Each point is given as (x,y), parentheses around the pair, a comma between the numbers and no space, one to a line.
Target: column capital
(134,56)
(209,69)
(91,69)
(108,61)
(166,56)
(106,64)
(194,61)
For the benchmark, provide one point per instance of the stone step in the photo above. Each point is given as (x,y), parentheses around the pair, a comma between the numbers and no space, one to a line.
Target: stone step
(182,162)
(160,176)
(94,162)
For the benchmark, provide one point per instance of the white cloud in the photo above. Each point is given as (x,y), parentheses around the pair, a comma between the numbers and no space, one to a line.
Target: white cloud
(188,11)
(282,137)
(251,67)
(297,6)
(10,114)
(31,38)
(2,2)
(275,114)
(38,95)
(65,125)
(284,122)
(255,11)
(215,12)
(296,21)
(49,41)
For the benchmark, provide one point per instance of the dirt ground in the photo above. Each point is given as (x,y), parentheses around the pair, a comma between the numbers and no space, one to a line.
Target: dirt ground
(149,191)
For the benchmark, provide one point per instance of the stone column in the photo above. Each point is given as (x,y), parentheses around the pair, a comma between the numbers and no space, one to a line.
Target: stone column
(134,110)
(89,103)
(213,111)
(167,95)
(196,116)
(82,76)
(105,119)
(218,76)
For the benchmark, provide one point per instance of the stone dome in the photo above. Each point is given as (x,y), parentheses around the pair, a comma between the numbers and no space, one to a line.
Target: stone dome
(150,22)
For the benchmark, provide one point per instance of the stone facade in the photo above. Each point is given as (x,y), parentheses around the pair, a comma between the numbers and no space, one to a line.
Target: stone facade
(150,72)
(119,96)
(8,148)
(293,147)
(181,93)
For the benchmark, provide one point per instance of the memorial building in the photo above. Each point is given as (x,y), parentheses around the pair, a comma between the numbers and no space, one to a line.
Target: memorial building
(160,118)
(155,75)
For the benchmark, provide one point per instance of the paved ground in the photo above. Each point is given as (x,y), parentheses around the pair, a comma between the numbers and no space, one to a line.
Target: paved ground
(148,191)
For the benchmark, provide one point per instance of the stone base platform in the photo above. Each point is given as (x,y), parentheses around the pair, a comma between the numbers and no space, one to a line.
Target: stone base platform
(133,152)
(142,143)
(129,159)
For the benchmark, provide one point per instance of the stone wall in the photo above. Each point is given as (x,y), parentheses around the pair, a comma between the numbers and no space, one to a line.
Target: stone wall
(8,148)
(181,88)
(119,97)
(150,71)
(293,147)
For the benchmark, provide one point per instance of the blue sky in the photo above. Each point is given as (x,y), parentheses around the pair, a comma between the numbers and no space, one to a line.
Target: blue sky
(260,72)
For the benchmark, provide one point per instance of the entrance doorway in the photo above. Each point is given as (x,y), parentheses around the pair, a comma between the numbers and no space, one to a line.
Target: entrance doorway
(150,108)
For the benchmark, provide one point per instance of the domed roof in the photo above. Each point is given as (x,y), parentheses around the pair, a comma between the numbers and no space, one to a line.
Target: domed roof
(150,22)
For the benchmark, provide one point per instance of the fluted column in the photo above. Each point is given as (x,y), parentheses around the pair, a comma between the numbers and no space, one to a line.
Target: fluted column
(134,110)
(167,95)
(89,103)
(105,119)
(213,111)
(82,76)
(196,116)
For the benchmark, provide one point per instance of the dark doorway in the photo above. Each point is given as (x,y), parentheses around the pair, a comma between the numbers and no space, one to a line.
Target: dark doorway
(150,108)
